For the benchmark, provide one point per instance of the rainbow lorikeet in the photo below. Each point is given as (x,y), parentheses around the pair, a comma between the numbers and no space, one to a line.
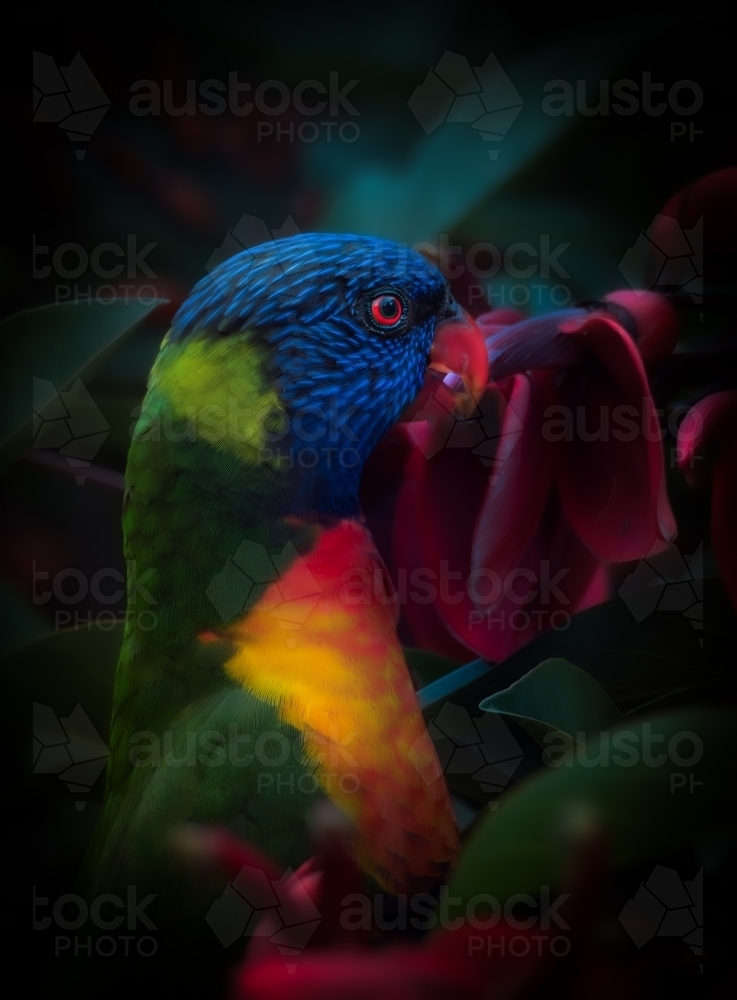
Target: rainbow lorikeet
(266,672)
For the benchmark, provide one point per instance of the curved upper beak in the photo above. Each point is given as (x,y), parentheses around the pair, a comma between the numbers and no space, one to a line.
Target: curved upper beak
(459,348)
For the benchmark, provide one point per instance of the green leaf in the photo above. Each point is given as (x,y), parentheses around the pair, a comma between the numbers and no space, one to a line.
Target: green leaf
(55,344)
(556,696)
(65,668)
(661,659)
(648,791)
(69,676)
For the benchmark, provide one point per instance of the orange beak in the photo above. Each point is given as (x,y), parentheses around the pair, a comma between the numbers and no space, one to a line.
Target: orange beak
(459,348)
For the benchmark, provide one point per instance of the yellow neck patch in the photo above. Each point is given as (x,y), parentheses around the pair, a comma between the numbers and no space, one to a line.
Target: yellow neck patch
(219,388)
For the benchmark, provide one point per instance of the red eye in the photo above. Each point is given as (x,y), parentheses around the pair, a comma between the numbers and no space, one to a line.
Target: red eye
(386,310)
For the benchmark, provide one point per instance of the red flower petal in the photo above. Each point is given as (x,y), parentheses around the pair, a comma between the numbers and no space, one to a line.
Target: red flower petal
(518,486)
(710,419)
(464,964)
(552,580)
(435,518)
(655,321)
(713,419)
(609,464)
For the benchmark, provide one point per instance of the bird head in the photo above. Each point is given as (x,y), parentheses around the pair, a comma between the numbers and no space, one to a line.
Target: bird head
(324,340)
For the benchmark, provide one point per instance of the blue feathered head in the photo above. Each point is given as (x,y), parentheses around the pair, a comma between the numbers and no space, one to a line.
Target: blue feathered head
(345,325)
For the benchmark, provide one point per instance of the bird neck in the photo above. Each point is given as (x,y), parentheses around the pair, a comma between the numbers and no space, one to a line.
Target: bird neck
(208,469)
(266,425)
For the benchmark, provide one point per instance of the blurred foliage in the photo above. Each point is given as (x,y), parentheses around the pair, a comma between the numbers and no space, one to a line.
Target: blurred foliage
(539,827)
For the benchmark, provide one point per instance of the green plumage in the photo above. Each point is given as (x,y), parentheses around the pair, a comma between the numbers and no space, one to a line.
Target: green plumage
(189,505)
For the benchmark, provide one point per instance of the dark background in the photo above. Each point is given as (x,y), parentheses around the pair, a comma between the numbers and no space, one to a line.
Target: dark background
(594,182)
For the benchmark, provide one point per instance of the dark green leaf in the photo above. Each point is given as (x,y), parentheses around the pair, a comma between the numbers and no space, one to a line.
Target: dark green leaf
(54,345)
(647,791)
(660,659)
(555,695)
(65,668)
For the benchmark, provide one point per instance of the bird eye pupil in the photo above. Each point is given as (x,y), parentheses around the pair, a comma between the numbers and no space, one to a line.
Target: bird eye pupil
(386,310)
